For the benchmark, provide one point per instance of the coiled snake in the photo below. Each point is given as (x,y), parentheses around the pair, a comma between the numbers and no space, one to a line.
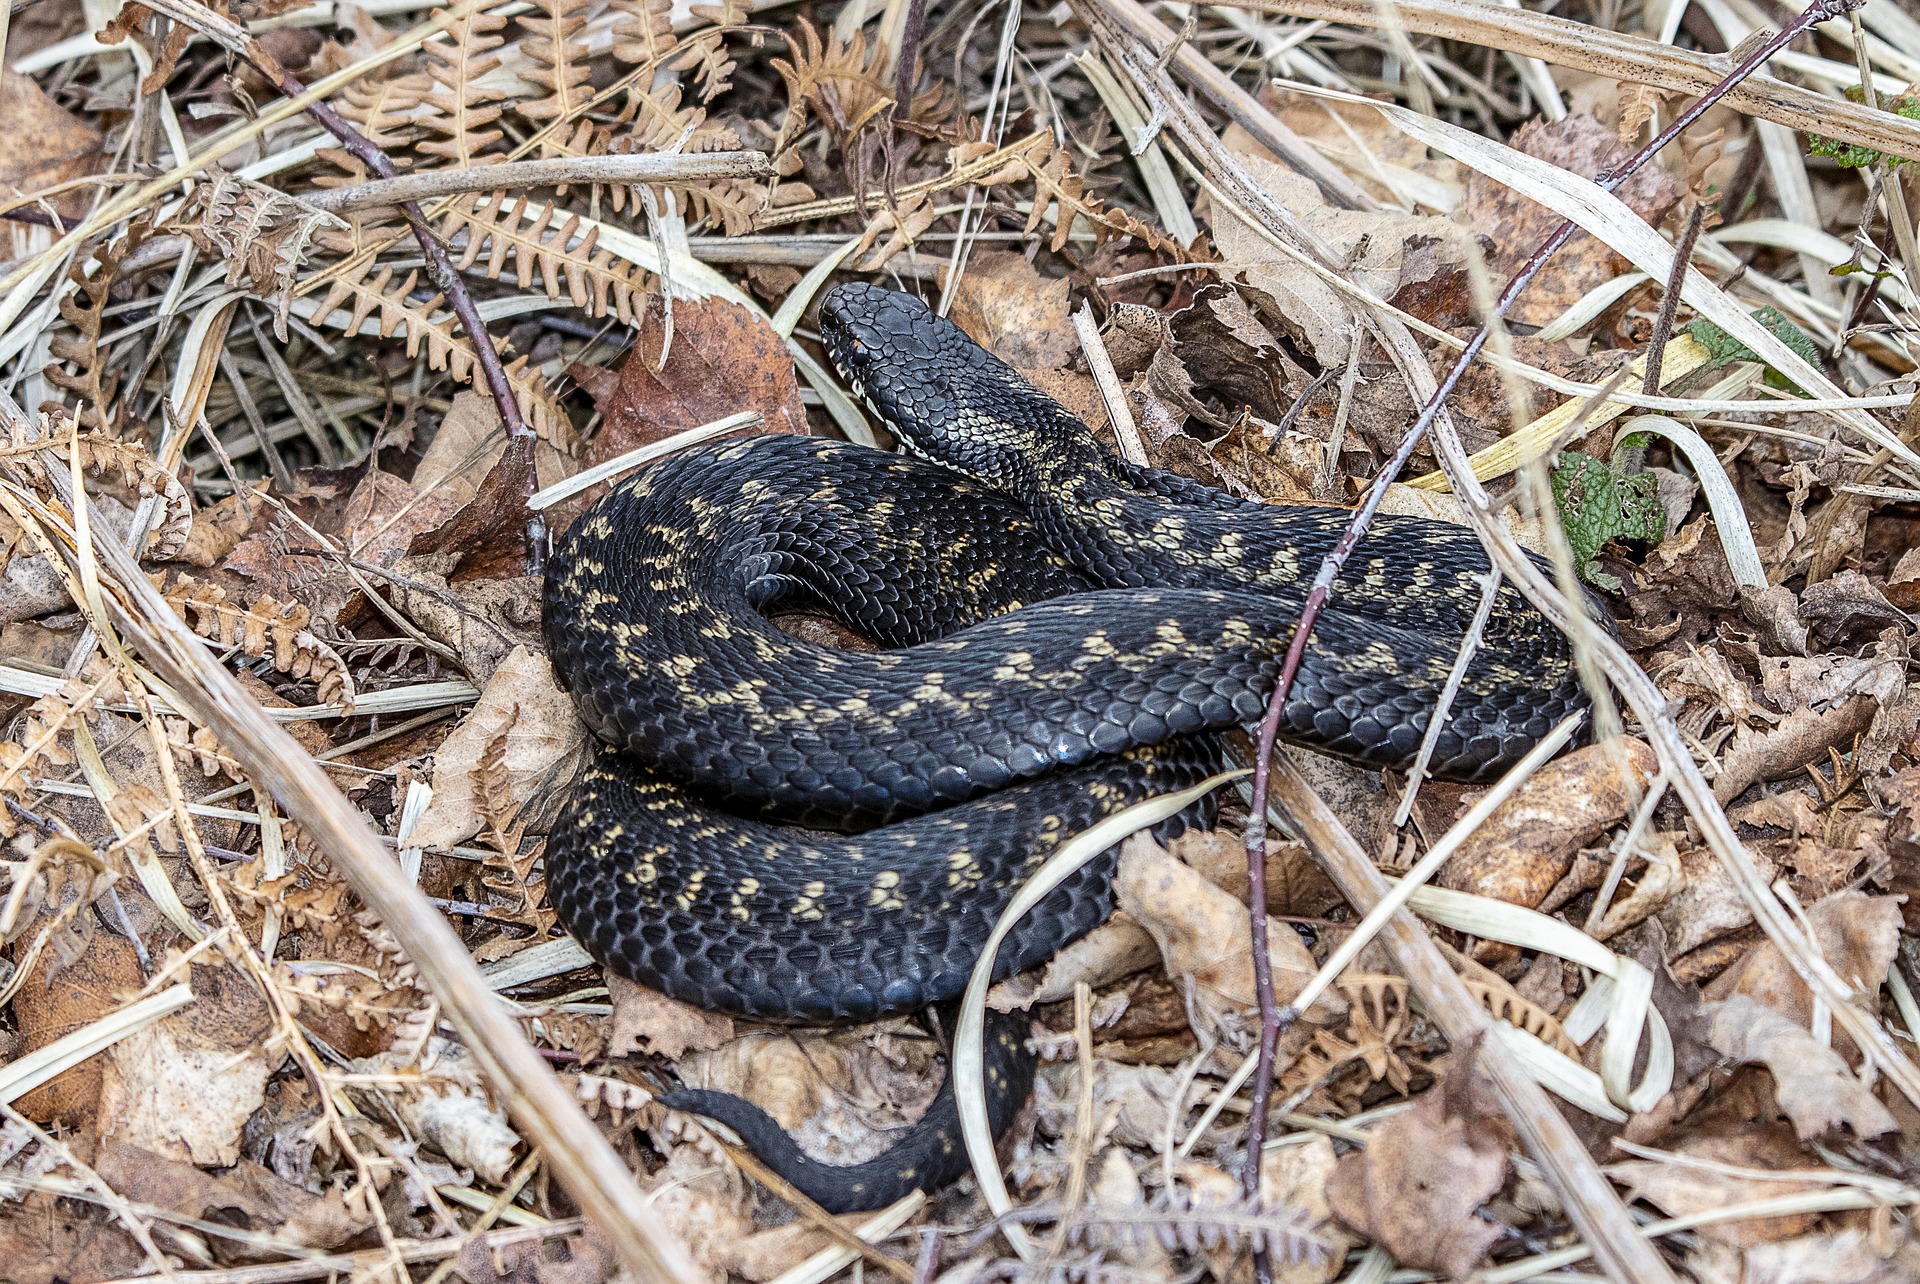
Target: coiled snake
(1061,632)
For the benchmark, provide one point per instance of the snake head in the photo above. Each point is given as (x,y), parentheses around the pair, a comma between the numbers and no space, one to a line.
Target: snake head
(941,394)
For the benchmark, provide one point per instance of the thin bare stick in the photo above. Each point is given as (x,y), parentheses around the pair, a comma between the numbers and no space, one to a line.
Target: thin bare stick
(235,38)
(698,167)
(1112,395)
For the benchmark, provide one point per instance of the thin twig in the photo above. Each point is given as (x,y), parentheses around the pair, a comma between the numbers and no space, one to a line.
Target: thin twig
(698,167)
(1670,301)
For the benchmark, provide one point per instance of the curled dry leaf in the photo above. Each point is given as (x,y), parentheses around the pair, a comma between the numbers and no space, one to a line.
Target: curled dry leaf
(1131,1102)
(448,1106)
(184,1086)
(1813,1084)
(1530,841)
(521,703)
(1416,1187)
(648,1021)
(1205,938)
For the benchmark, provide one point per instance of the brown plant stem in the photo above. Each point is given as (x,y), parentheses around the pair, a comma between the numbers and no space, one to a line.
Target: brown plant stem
(234,38)
(1271,1017)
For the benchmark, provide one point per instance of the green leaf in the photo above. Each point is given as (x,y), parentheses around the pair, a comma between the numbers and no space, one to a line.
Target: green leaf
(1598,504)
(1723,347)
(1853,155)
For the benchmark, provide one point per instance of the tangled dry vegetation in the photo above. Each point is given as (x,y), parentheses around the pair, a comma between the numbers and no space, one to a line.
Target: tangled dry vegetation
(240,1044)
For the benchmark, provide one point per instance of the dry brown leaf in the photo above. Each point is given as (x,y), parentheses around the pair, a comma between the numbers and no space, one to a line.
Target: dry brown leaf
(1013,312)
(724,360)
(1856,934)
(1903,582)
(1530,841)
(647,1021)
(1814,1085)
(245,1194)
(1370,246)
(842,1095)
(65,991)
(1205,937)
(1296,1177)
(1515,224)
(1678,1189)
(1416,1187)
(1710,904)
(542,736)
(1853,1256)
(45,1240)
(44,145)
(184,1086)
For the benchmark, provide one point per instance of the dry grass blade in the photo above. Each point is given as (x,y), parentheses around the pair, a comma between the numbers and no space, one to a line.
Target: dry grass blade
(1618,56)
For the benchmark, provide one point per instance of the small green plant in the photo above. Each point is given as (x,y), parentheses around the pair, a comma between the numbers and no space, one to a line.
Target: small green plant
(1853,155)
(1600,502)
(1723,347)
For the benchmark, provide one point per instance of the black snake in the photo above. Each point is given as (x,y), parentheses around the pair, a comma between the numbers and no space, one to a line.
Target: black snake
(1060,634)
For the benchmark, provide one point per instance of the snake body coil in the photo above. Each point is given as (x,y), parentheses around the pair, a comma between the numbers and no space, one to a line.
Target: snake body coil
(1062,632)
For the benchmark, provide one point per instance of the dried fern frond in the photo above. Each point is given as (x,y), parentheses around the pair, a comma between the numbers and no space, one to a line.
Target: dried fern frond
(199,746)
(644,32)
(363,1000)
(1506,1004)
(839,82)
(460,108)
(44,736)
(358,292)
(263,235)
(499,227)
(268,629)
(123,467)
(94,386)
(560,64)
(706,54)
(1062,188)
(1179,1223)
(386,112)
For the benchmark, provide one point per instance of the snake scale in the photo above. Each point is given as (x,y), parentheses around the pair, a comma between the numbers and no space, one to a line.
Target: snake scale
(792,832)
